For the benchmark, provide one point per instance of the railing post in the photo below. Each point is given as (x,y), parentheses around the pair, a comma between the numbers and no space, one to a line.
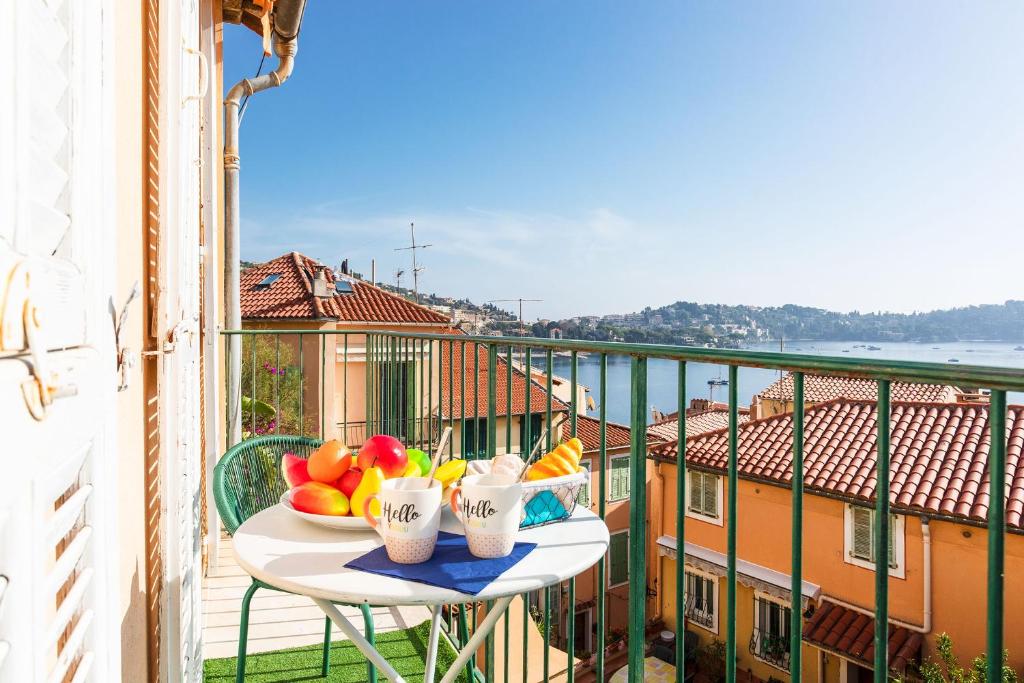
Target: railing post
(796,568)
(638,519)
(492,438)
(996,531)
(602,464)
(882,537)
(730,627)
(680,526)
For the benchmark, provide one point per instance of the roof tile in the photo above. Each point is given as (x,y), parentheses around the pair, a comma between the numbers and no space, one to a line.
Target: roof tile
(291,297)
(938,462)
(819,388)
(852,635)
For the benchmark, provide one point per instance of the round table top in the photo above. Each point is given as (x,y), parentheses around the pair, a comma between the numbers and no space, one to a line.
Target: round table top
(300,557)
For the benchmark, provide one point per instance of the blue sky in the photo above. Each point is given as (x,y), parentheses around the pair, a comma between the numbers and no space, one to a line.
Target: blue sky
(607,155)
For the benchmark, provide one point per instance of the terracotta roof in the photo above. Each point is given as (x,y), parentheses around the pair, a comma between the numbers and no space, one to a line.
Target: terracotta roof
(852,634)
(588,430)
(818,388)
(938,463)
(538,397)
(697,422)
(291,297)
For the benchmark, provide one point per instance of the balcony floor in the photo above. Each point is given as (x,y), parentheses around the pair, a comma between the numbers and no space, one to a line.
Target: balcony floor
(276,620)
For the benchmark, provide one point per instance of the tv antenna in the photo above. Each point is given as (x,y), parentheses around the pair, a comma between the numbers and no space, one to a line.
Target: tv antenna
(522,331)
(416,269)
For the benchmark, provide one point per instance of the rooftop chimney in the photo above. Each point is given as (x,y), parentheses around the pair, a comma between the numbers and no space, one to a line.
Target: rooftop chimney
(321,287)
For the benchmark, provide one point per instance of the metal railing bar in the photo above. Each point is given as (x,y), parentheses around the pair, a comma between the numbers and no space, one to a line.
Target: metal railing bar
(602,497)
(996,537)
(637,518)
(882,536)
(731,522)
(681,524)
(796,535)
(277,382)
(1009,379)
(302,390)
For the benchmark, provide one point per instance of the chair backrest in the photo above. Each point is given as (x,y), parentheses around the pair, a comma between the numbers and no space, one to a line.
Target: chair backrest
(248,478)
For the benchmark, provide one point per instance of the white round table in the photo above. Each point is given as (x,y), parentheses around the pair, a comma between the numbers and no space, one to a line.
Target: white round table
(289,553)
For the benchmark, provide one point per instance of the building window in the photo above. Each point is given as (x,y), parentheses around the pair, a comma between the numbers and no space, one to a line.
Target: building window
(860,539)
(769,641)
(619,489)
(535,421)
(618,559)
(702,600)
(583,497)
(474,438)
(704,496)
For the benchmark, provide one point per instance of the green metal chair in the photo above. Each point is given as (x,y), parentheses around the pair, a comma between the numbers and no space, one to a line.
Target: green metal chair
(247,480)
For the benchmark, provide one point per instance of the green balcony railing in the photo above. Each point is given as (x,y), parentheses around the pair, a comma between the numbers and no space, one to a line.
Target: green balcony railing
(354,383)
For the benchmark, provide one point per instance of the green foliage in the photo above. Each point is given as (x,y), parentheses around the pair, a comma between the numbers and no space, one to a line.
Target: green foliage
(711,660)
(272,378)
(948,670)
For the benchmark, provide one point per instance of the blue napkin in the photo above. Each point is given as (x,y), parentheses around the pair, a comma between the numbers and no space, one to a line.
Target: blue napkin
(451,566)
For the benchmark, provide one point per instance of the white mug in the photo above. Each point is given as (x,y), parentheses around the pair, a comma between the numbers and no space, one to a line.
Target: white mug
(410,512)
(490,508)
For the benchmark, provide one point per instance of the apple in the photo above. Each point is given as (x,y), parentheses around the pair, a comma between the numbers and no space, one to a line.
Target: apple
(385,452)
(349,481)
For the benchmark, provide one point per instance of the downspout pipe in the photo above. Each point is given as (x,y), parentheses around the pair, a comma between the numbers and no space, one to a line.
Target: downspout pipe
(287,18)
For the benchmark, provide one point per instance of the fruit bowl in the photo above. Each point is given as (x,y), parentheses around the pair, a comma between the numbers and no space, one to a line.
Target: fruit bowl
(347,522)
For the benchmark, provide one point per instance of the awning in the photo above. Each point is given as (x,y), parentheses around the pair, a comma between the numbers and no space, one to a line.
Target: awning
(774,583)
(851,634)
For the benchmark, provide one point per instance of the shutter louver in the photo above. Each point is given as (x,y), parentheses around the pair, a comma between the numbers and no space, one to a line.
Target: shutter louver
(696,492)
(710,486)
(861,535)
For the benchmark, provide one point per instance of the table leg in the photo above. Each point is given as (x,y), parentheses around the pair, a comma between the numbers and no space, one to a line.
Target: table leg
(435,635)
(358,640)
(482,630)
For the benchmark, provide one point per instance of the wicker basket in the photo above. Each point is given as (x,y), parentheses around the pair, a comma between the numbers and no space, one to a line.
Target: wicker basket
(546,501)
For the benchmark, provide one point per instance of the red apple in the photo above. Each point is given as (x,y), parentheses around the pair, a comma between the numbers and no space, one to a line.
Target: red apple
(385,452)
(349,481)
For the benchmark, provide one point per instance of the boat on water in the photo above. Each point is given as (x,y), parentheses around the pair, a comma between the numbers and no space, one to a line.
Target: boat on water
(870,347)
(846,350)
(935,348)
(954,360)
(1018,348)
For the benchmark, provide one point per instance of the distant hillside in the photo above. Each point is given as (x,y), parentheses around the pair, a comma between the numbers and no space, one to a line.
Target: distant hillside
(721,325)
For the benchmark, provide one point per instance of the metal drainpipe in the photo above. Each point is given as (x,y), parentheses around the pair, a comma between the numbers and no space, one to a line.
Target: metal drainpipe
(286,27)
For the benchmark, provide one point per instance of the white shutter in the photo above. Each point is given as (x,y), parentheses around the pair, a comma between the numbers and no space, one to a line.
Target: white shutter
(696,491)
(861,518)
(59,616)
(181,611)
(710,487)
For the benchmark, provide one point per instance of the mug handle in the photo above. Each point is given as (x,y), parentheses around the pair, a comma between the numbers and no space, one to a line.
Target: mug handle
(453,502)
(368,516)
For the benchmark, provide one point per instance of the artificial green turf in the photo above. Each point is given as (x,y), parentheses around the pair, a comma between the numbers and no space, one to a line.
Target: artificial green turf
(405,650)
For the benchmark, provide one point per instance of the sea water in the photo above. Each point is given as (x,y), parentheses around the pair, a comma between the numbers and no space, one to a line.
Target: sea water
(662,392)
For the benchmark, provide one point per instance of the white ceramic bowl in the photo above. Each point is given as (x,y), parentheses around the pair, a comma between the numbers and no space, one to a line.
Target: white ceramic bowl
(348,522)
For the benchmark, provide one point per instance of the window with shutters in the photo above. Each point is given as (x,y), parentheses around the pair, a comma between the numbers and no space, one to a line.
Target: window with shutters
(618,559)
(702,599)
(619,478)
(583,497)
(704,496)
(860,539)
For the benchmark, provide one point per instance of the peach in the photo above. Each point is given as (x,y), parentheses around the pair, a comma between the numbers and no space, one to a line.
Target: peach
(317,498)
(329,462)
(293,469)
